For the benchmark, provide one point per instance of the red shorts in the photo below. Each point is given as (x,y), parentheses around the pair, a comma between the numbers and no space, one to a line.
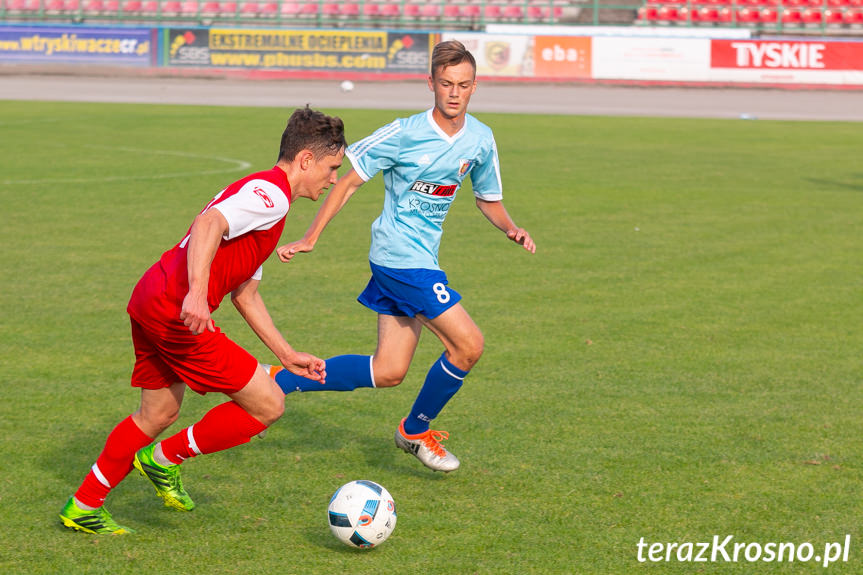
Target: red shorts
(165,355)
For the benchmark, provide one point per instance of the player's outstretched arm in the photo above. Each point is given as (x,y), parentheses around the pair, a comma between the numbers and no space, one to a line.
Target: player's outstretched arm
(497,215)
(335,201)
(248,301)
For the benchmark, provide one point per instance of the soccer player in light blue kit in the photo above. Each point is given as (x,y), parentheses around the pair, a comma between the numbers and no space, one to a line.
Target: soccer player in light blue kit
(424,160)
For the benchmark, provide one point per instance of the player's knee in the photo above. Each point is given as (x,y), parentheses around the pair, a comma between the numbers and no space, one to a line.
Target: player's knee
(388,373)
(468,354)
(158,419)
(271,410)
(388,380)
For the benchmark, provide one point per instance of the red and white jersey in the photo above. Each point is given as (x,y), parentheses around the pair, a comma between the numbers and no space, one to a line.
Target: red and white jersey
(255,208)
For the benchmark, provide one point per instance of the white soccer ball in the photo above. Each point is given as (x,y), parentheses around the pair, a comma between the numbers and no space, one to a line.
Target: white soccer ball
(347,86)
(362,514)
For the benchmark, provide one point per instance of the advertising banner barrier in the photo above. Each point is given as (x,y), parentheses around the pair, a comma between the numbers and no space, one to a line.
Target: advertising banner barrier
(787,61)
(546,54)
(561,57)
(313,50)
(77,44)
(497,55)
(651,59)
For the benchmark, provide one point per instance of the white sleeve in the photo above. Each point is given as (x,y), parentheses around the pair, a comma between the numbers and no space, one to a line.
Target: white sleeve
(258,205)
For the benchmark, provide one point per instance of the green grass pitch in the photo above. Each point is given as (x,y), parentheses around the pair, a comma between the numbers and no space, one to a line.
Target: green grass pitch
(679,360)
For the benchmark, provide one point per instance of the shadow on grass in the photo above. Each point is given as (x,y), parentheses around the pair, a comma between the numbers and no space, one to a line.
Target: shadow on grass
(837,185)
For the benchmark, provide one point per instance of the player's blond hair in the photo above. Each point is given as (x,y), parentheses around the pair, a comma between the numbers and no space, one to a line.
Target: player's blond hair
(450,53)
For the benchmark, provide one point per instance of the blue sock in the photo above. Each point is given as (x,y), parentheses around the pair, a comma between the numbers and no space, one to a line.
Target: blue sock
(442,382)
(344,373)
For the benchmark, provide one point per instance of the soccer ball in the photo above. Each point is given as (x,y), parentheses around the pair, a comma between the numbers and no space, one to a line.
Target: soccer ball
(362,514)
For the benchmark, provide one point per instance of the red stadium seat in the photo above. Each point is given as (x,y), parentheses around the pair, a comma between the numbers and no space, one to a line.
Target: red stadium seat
(648,14)
(471,12)
(250,9)
(369,10)
(390,11)
(111,8)
(748,16)
(451,12)
(769,16)
(308,9)
(493,12)
(537,12)
(811,16)
(853,17)
(513,12)
(150,7)
(668,14)
(791,16)
(430,11)
(412,10)
(210,8)
(53,6)
(832,16)
(189,8)
(268,10)
(169,8)
(330,9)
(349,10)
(708,15)
(289,9)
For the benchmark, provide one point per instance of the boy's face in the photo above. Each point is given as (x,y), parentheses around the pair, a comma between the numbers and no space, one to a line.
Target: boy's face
(453,86)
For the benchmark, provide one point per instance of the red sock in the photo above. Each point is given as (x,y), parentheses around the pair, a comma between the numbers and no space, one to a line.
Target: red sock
(225,426)
(113,464)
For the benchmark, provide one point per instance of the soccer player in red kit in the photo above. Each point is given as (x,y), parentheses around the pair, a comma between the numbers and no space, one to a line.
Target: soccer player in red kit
(177,345)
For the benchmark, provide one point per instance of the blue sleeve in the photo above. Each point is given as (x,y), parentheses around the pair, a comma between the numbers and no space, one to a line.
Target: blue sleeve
(376,152)
(485,176)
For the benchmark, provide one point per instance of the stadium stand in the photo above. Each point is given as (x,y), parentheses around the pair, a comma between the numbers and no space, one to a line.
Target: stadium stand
(760,14)
(467,14)
(842,16)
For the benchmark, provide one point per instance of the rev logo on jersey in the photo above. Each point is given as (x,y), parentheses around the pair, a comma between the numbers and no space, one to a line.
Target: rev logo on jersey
(433,189)
(263,195)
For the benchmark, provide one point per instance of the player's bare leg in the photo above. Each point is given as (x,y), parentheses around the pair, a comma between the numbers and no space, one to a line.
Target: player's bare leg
(398,337)
(464,345)
(256,406)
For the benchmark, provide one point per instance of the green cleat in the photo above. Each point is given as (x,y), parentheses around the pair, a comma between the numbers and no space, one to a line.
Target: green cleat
(96,521)
(166,480)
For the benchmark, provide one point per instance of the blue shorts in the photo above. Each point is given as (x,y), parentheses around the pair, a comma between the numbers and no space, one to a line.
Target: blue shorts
(408,292)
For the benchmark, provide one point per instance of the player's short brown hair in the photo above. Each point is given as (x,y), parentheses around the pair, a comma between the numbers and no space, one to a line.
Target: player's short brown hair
(450,53)
(309,129)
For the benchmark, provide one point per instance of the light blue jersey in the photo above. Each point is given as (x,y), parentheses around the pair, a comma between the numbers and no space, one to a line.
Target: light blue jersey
(423,169)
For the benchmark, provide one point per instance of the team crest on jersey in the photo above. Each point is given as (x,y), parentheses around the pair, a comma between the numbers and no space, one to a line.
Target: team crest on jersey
(433,189)
(263,195)
(464,167)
